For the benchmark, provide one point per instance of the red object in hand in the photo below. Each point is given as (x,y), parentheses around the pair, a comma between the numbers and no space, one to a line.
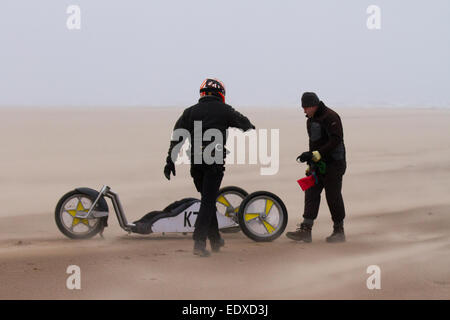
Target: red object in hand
(306,182)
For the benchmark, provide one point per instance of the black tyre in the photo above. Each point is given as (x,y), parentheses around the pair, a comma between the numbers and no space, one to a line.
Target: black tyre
(72,227)
(262,216)
(228,202)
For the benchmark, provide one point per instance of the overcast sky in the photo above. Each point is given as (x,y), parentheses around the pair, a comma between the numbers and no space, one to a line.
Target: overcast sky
(157,53)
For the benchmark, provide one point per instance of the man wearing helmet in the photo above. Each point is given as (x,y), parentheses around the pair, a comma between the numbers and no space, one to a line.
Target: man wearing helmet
(326,144)
(213,113)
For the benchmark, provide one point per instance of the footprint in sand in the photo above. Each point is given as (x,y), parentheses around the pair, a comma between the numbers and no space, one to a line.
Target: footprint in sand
(22,243)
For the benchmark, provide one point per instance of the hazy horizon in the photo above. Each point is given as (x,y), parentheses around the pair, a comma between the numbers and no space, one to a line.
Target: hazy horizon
(157,53)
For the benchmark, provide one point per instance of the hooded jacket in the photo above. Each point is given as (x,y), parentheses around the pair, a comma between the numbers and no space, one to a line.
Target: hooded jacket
(213,114)
(326,134)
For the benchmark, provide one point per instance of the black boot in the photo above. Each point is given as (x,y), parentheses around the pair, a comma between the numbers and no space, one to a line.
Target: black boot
(216,244)
(200,249)
(338,235)
(301,234)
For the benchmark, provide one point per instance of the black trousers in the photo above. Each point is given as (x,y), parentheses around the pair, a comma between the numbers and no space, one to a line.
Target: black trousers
(207,180)
(331,181)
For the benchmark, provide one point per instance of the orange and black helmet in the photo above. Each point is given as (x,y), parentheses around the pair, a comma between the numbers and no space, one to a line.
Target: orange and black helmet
(213,86)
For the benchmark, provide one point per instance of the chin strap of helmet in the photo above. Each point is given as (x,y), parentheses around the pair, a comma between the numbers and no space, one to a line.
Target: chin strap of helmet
(217,94)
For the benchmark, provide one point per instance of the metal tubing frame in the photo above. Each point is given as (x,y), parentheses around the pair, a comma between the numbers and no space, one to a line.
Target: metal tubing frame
(119,210)
(101,193)
(106,192)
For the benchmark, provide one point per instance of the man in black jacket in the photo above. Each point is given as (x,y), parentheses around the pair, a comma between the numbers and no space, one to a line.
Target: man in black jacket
(326,144)
(210,114)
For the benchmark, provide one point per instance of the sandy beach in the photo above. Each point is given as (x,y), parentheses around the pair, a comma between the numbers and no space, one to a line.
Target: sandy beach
(396,193)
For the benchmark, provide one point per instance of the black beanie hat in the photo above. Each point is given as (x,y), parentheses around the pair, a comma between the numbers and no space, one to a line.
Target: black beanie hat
(310,99)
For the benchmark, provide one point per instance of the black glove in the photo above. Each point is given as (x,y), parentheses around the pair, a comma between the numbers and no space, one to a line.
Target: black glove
(305,156)
(249,127)
(170,167)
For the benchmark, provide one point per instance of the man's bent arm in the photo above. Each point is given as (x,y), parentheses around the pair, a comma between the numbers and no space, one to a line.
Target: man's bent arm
(238,120)
(177,140)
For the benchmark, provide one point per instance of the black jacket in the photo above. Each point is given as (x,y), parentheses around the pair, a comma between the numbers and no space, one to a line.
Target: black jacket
(326,134)
(213,114)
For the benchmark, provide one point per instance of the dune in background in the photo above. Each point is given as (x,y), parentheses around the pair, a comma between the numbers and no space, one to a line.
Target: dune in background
(396,192)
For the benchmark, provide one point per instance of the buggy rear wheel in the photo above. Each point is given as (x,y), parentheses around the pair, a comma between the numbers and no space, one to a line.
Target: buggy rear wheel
(263,216)
(228,203)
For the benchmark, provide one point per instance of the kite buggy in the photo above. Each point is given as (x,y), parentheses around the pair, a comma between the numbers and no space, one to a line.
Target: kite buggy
(262,216)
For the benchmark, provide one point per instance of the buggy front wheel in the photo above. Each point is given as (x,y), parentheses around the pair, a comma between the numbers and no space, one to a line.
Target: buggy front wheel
(66,218)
